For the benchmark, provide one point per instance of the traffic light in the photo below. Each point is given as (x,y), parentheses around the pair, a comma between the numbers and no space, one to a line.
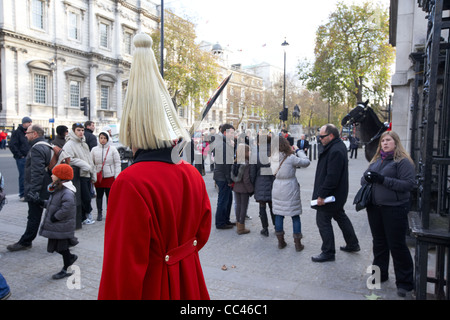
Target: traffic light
(284,114)
(84,106)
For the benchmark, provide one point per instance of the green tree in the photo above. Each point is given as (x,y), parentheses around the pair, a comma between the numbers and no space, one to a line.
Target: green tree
(190,72)
(352,55)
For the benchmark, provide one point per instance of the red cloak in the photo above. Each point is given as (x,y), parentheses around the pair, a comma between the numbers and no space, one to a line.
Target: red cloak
(158,218)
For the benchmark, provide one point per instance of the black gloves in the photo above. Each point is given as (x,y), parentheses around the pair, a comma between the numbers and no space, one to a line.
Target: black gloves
(373,177)
(34,197)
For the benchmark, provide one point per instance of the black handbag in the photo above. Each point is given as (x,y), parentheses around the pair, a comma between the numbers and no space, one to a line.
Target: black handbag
(363,197)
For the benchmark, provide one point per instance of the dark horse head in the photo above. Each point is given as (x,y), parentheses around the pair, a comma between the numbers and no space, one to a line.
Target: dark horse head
(371,127)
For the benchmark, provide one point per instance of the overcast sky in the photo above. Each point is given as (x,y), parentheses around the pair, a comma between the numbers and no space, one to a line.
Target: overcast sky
(255,29)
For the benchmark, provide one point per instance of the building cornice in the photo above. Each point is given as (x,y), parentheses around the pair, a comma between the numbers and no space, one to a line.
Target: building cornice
(58,47)
(142,11)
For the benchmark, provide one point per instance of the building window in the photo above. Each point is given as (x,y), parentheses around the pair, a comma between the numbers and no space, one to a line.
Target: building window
(231,108)
(104,35)
(74,25)
(40,88)
(37,14)
(214,115)
(181,112)
(127,42)
(104,97)
(221,116)
(75,95)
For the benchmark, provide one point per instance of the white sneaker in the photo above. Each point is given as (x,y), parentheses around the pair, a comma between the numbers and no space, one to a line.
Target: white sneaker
(88,221)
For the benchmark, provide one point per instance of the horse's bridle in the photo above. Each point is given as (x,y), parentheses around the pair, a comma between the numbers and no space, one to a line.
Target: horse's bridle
(362,115)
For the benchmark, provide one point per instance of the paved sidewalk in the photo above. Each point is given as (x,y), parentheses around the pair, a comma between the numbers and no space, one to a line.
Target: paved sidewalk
(256,268)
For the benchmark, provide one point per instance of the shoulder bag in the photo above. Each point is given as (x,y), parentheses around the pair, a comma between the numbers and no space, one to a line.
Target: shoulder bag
(100,173)
(363,197)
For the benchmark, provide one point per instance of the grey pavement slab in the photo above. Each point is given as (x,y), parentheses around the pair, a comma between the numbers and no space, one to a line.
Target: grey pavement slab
(256,268)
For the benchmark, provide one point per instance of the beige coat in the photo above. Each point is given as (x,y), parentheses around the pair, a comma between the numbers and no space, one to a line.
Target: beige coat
(286,199)
(112,165)
(80,156)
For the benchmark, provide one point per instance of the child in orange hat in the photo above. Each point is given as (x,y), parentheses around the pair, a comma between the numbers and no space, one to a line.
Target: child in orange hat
(60,217)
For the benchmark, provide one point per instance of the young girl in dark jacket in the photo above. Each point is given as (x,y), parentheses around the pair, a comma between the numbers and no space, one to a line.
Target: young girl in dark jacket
(243,187)
(60,217)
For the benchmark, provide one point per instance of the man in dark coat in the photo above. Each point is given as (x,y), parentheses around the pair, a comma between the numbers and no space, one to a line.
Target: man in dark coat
(354,145)
(61,133)
(303,144)
(224,151)
(332,180)
(19,147)
(36,181)
(89,128)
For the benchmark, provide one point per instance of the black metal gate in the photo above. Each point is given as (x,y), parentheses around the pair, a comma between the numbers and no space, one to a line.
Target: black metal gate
(429,222)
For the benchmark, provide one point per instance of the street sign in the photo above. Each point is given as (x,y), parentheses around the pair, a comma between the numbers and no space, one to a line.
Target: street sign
(51,120)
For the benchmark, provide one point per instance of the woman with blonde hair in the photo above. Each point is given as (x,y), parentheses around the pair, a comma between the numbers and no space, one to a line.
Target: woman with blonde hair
(159,214)
(392,175)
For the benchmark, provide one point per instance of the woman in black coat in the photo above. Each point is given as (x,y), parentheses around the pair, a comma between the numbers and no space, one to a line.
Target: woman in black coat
(262,178)
(392,175)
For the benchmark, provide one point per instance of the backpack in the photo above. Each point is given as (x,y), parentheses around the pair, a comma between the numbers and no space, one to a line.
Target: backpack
(2,192)
(57,153)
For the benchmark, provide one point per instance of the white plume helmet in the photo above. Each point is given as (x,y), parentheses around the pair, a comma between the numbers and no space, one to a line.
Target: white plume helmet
(149,119)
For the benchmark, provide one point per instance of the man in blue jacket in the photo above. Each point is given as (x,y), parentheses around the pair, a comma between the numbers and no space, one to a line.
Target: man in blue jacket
(332,180)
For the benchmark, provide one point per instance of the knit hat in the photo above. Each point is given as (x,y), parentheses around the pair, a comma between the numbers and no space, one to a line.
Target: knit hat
(63,171)
(61,130)
(26,120)
(149,119)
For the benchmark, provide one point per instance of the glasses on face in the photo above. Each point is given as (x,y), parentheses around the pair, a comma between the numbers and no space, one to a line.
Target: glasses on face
(30,132)
(324,136)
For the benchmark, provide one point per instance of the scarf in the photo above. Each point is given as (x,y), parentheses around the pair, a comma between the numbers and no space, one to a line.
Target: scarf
(384,155)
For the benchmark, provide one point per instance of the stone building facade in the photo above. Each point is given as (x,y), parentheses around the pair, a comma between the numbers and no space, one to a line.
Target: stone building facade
(408,35)
(55,52)
(240,102)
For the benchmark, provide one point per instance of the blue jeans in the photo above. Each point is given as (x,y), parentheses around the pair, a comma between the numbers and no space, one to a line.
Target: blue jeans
(21,167)
(296,224)
(224,203)
(4,288)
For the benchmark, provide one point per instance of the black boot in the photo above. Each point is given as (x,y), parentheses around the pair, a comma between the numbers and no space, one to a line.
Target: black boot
(99,209)
(60,275)
(264,221)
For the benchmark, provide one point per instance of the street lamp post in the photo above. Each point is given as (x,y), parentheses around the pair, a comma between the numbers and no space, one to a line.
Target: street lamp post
(284,44)
(162,39)
(53,67)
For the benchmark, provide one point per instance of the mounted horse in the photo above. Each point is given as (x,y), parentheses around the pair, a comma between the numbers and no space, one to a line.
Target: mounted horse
(371,127)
